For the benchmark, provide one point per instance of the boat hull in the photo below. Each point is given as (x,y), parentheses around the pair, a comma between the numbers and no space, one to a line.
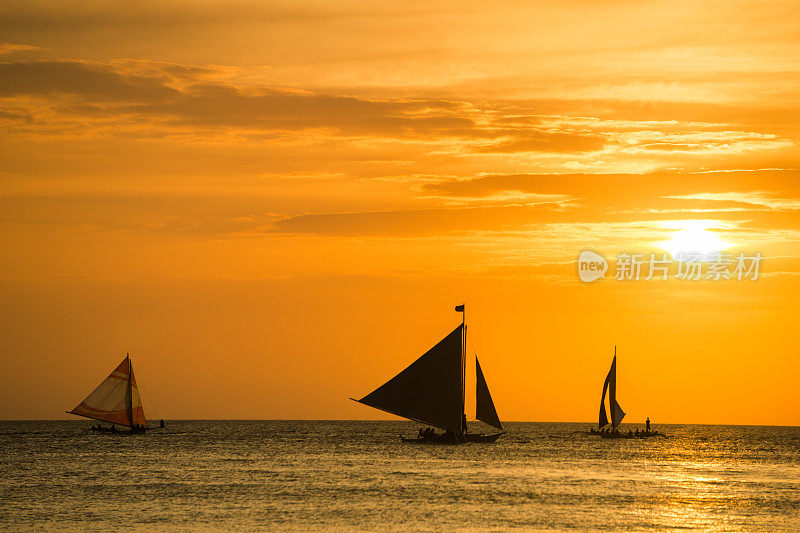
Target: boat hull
(641,435)
(126,431)
(479,438)
(438,439)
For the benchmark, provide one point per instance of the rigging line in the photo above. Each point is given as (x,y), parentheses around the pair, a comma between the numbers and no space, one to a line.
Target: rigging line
(471,342)
(149,399)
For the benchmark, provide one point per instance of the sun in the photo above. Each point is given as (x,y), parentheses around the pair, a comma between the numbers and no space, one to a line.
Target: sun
(694,237)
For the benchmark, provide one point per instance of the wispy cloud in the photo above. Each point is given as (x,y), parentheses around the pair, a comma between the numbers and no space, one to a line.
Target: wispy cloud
(9,48)
(769,200)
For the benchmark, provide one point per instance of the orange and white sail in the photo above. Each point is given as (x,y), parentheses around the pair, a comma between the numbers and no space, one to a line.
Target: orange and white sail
(116,399)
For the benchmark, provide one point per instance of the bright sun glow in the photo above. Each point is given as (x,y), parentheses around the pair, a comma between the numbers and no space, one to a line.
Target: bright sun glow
(694,236)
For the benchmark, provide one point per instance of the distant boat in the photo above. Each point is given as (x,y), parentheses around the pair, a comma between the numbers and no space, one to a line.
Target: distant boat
(116,400)
(616,412)
(431,391)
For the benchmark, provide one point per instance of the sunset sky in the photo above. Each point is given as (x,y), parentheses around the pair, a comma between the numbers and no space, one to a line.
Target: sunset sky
(275,206)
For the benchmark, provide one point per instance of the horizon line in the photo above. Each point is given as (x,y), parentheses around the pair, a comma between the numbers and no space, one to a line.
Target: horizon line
(398,421)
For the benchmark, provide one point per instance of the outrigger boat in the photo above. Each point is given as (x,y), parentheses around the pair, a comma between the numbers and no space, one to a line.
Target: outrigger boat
(431,391)
(116,400)
(617,414)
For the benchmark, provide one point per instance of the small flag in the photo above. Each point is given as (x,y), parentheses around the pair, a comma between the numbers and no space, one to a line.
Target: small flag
(460,308)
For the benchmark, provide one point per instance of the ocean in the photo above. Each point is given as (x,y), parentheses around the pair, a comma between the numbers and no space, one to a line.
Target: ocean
(346,475)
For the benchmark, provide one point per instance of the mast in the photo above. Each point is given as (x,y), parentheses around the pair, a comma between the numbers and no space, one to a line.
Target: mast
(129,393)
(463,364)
(612,393)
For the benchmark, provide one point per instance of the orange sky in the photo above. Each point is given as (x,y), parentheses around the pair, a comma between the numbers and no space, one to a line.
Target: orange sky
(275,206)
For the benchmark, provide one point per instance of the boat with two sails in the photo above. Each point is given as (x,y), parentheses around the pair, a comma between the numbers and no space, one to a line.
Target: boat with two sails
(611,430)
(116,401)
(431,391)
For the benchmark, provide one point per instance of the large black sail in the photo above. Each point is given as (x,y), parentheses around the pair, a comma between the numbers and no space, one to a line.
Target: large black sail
(617,414)
(429,389)
(603,418)
(484,406)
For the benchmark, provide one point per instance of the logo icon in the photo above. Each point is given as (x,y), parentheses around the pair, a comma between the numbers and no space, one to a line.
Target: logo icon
(591,266)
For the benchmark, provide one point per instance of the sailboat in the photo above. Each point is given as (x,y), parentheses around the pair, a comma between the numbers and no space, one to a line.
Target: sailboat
(616,412)
(431,391)
(610,385)
(116,400)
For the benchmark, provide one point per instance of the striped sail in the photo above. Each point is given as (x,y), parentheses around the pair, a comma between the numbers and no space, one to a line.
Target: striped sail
(116,399)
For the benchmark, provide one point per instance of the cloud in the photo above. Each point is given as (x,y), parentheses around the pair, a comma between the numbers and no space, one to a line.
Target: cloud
(150,99)
(10,115)
(616,188)
(287,110)
(550,183)
(546,141)
(767,200)
(177,94)
(86,80)
(417,222)
(10,48)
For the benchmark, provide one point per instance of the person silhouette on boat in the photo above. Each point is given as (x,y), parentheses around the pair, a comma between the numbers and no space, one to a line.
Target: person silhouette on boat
(647,424)
(161,424)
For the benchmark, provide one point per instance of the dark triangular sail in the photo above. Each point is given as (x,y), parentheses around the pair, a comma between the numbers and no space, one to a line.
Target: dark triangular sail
(429,390)
(115,400)
(603,418)
(484,406)
(617,414)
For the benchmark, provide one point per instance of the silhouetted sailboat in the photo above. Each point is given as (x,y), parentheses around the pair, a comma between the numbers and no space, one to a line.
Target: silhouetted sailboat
(116,400)
(431,391)
(616,412)
(610,385)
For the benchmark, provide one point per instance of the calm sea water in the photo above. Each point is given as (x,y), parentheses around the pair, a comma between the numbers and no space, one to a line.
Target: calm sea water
(297,475)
